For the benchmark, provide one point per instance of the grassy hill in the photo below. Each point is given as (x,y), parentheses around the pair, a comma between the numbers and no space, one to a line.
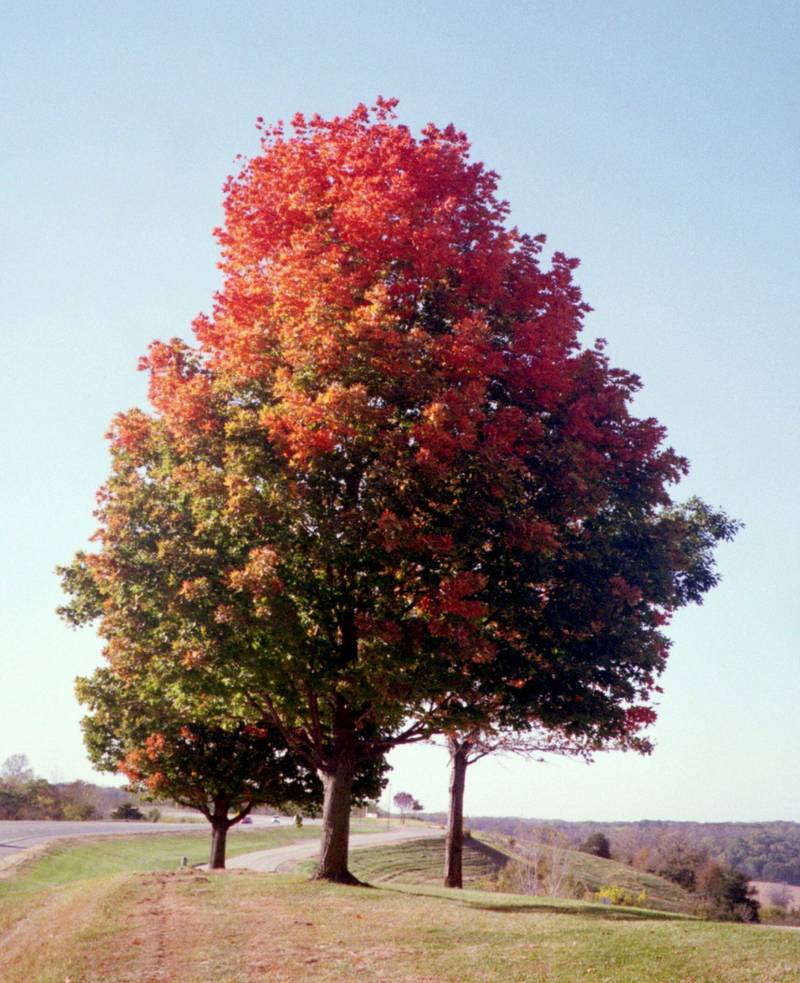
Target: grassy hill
(597,872)
(422,861)
(94,913)
(243,927)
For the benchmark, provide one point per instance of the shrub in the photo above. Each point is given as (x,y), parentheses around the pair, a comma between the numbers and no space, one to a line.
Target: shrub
(727,893)
(127,810)
(597,845)
(613,894)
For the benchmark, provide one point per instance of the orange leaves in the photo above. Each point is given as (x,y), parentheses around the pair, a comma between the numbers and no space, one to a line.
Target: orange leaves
(154,745)
(258,577)
(129,431)
(305,426)
(341,207)
(193,590)
(132,764)
(193,658)
(180,390)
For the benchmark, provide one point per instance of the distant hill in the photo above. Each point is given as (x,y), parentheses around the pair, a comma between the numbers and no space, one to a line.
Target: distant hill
(764,851)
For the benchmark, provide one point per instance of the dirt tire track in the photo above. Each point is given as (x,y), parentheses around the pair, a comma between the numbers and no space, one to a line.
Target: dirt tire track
(139,952)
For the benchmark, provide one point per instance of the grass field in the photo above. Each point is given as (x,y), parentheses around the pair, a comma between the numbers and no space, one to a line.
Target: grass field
(67,918)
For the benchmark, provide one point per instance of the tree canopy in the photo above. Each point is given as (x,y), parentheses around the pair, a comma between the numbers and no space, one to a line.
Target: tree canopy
(389,483)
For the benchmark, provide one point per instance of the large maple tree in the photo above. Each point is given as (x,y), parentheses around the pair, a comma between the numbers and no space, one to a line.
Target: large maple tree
(399,472)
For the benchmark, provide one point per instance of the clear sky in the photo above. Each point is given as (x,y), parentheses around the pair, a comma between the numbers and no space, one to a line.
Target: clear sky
(656,141)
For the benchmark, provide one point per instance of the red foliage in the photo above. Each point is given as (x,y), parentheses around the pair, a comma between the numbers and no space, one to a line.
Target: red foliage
(385,332)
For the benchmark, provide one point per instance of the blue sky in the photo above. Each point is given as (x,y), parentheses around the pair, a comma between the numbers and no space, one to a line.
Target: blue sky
(657,142)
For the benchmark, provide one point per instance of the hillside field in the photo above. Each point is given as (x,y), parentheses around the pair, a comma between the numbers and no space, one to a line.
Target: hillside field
(422,861)
(67,918)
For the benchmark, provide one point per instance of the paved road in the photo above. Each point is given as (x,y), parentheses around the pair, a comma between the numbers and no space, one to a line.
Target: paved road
(19,835)
(284,856)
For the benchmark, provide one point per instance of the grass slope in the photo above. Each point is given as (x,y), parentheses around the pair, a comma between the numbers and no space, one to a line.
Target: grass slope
(243,927)
(596,872)
(422,861)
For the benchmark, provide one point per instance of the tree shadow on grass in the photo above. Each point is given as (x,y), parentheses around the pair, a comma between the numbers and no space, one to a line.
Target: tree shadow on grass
(599,912)
(494,856)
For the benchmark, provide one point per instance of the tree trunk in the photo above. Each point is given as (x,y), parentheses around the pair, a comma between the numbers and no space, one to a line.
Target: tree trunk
(337,784)
(336,775)
(454,842)
(219,834)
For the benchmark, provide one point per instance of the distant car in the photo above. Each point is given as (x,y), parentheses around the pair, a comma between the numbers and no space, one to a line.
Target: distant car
(275,820)
(247,821)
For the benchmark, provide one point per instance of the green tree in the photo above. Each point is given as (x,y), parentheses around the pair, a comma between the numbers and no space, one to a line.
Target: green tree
(728,893)
(597,845)
(223,771)
(127,811)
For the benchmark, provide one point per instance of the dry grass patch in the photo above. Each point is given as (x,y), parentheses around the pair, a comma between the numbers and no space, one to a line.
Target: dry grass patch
(40,935)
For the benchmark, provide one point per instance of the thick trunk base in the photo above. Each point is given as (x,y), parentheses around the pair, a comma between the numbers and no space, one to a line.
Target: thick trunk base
(337,784)
(344,877)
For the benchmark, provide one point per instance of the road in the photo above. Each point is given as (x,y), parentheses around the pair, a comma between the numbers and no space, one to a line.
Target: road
(283,856)
(19,835)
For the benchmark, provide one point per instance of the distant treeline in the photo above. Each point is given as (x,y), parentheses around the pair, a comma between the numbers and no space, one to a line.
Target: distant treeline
(764,851)
(24,796)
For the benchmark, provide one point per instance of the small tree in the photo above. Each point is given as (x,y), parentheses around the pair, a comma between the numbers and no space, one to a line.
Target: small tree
(16,771)
(127,811)
(597,845)
(406,802)
(681,863)
(728,893)
(780,896)
(79,801)
(543,868)
(221,771)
